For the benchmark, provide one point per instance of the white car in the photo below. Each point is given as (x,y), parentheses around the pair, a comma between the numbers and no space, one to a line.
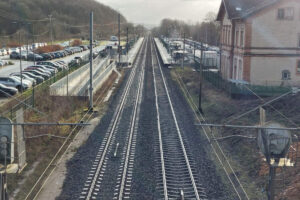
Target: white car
(13,82)
(3,52)
(25,76)
(3,63)
(24,81)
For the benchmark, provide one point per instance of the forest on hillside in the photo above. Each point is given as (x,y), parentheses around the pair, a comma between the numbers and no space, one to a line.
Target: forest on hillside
(67,18)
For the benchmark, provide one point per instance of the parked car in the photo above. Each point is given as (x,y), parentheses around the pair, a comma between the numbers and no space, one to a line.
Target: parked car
(33,56)
(62,63)
(38,73)
(52,55)
(14,49)
(14,55)
(3,52)
(46,56)
(3,63)
(50,69)
(53,64)
(25,81)
(13,82)
(6,91)
(41,69)
(37,78)
(25,76)
(76,60)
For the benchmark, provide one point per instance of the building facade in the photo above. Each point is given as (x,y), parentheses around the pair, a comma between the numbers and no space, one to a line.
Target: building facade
(260,41)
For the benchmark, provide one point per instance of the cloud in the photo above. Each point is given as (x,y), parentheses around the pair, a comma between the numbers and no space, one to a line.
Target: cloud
(153,11)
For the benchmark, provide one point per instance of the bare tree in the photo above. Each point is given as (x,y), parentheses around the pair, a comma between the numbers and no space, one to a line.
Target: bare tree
(206,31)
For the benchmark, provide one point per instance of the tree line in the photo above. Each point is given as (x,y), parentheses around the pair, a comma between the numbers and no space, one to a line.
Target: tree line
(207,31)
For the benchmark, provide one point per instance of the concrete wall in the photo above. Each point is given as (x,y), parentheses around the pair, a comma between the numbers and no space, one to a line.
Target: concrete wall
(78,80)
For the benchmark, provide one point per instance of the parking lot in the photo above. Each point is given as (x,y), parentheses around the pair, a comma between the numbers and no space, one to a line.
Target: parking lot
(7,70)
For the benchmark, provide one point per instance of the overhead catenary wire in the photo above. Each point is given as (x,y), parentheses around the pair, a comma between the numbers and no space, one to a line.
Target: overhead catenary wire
(222,152)
(257,107)
(232,136)
(98,101)
(272,107)
(9,35)
(6,15)
(43,135)
(22,102)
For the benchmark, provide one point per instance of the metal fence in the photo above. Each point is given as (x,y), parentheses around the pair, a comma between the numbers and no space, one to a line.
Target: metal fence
(236,90)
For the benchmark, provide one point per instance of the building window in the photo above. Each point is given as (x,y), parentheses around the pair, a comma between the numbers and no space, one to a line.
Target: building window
(298,66)
(280,14)
(242,38)
(286,75)
(240,70)
(225,35)
(229,35)
(237,38)
(289,13)
(285,13)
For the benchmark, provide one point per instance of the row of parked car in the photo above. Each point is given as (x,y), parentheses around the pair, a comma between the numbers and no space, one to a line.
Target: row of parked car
(31,56)
(8,51)
(31,76)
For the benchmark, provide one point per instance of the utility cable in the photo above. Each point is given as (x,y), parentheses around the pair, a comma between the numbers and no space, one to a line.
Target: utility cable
(22,102)
(280,113)
(257,107)
(222,152)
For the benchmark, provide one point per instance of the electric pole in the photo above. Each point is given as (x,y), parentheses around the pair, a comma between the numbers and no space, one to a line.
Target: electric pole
(21,70)
(119,35)
(194,52)
(33,43)
(183,53)
(51,29)
(201,80)
(91,61)
(127,43)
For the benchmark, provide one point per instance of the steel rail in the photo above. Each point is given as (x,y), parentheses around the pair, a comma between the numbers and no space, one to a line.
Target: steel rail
(160,137)
(115,122)
(68,147)
(133,123)
(194,107)
(177,127)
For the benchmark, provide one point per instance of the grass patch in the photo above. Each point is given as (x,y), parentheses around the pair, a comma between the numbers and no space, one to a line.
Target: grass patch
(242,155)
(43,149)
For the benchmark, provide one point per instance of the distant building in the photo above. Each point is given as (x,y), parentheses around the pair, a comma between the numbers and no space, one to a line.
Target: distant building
(114,38)
(260,41)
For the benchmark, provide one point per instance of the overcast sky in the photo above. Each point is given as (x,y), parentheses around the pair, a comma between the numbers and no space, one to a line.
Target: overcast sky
(151,12)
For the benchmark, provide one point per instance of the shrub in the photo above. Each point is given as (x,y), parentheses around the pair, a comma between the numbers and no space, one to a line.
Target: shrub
(47,49)
(76,42)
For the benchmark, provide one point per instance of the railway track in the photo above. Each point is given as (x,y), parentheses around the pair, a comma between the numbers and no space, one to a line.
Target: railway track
(178,171)
(111,173)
